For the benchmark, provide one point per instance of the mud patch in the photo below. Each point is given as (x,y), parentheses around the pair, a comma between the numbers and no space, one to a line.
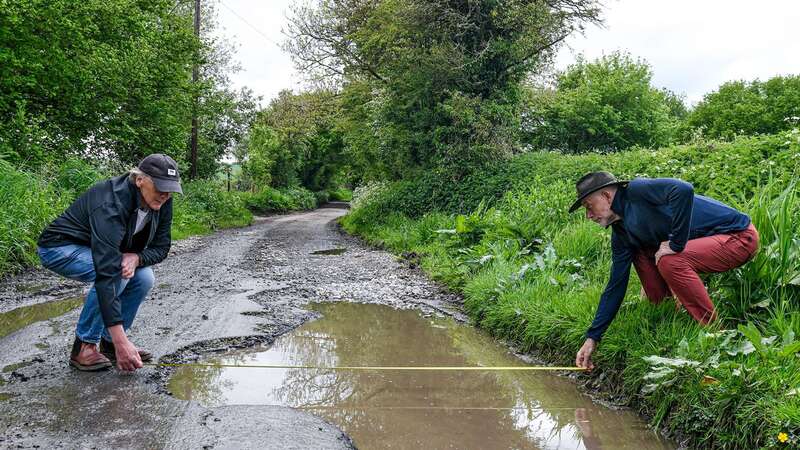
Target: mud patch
(19,318)
(6,396)
(31,288)
(13,367)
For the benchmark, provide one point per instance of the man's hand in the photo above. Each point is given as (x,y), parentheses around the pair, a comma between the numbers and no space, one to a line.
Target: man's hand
(130,261)
(128,359)
(663,250)
(584,358)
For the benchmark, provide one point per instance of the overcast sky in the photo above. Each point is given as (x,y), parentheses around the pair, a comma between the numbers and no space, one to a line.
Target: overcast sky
(693,46)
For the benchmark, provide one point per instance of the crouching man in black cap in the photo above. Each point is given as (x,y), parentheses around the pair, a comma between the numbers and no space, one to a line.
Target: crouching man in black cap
(110,236)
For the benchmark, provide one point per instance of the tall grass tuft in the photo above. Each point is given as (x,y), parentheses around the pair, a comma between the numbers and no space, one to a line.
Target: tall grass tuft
(27,204)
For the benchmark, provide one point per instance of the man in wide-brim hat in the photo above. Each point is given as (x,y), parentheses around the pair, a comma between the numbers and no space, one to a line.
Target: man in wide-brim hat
(670,235)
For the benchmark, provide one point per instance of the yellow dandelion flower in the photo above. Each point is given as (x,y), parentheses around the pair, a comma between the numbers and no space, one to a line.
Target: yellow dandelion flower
(783,437)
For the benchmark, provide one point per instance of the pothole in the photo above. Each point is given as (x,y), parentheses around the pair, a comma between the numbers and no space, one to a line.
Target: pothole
(330,252)
(311,368)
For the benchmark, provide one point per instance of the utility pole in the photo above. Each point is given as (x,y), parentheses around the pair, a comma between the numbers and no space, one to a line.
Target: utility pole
(195,73)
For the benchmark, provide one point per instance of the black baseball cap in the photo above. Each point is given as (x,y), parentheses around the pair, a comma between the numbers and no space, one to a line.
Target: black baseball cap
(164,172)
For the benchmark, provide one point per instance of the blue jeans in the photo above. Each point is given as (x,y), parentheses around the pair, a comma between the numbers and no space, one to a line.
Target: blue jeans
(75,262)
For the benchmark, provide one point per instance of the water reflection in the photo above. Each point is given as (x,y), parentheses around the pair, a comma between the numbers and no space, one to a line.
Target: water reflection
(20,318)
(413,409)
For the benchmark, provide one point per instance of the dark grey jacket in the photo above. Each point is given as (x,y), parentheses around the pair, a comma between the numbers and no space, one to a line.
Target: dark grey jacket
(104,218)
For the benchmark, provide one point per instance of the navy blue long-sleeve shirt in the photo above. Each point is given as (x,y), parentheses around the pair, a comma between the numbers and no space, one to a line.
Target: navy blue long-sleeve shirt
(654,211)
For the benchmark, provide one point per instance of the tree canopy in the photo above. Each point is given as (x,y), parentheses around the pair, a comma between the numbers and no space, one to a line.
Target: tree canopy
(110,80)
(608,104)
(749,107)
(294,141)
(430,83)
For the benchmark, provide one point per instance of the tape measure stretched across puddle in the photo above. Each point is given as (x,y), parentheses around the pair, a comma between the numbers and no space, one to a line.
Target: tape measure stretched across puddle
(441,368)
(402,378)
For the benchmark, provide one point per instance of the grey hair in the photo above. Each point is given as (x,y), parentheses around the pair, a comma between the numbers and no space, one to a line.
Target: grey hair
(135,173)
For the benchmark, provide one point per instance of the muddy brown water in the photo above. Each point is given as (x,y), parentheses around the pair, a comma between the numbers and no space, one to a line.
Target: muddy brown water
(413,409)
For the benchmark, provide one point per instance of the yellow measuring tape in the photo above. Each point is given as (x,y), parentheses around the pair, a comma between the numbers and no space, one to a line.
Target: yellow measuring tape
(433,368)
(425,408)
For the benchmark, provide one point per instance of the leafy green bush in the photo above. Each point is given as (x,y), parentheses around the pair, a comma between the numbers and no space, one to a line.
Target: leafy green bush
(301,197)
(74,176)
(749,107)
(204,207)
(340,195)
(607,105)
(322,197)
(532,274)
(269,200)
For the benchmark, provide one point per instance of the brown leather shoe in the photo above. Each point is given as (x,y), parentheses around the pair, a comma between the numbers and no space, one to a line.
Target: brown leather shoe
(107,349)
(85,357)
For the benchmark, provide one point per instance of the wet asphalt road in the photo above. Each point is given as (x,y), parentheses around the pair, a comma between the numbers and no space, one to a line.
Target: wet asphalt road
(231,289)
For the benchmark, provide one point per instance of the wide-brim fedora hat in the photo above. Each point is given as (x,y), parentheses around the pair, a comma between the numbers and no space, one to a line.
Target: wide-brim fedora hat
(593,182)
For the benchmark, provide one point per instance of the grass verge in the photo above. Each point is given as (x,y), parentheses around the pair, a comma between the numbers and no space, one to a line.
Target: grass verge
(532,274)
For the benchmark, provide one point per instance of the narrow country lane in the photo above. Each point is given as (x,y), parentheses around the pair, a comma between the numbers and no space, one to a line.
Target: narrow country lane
(234,288)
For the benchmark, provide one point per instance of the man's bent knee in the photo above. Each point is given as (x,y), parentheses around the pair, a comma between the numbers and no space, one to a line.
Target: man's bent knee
(669,264)
(145,277)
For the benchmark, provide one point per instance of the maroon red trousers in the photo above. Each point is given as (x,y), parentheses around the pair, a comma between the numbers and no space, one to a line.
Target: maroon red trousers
(678,274)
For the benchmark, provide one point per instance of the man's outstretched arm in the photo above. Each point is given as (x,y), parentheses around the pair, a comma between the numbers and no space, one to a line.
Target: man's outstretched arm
(610,301)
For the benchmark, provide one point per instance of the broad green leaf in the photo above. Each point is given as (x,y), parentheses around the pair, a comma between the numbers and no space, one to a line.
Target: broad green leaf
(790,349)
(753,335)
(461,224)
(683,348)
(658,373)
(788,336)
(744,348)
(674,362)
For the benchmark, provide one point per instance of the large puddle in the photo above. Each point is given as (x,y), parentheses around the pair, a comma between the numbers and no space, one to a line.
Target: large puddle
(414,409)
(20,318)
